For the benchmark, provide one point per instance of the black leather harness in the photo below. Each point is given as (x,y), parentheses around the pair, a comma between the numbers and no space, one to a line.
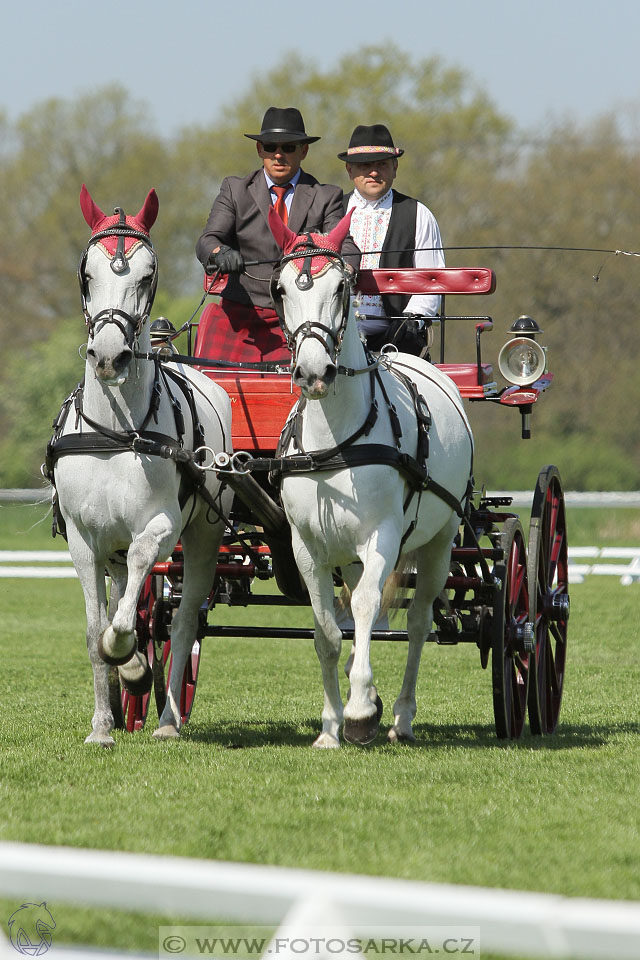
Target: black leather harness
(101,439)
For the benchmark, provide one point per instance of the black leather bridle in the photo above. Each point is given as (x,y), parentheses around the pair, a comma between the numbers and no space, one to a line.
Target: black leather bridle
(305,250)
(130,326)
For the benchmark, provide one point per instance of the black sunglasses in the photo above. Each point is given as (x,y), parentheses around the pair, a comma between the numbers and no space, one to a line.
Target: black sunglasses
(285,147)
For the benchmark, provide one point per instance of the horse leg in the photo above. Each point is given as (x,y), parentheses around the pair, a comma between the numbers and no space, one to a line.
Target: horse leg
(135,675)
(432,568)
(364,708)
(350,574)
(117,645)
(200,544)
(327,639)
(91,575)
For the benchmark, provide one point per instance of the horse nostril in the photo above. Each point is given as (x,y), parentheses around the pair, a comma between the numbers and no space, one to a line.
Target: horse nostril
(330,373)
(122,359)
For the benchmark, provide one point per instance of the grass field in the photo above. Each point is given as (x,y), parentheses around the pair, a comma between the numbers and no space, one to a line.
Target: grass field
(555,814)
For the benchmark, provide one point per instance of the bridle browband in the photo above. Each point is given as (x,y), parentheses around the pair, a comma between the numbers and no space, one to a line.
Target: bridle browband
(306,250)
(118,264)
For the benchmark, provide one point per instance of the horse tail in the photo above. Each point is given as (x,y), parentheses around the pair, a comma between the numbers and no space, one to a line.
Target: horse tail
(396,587)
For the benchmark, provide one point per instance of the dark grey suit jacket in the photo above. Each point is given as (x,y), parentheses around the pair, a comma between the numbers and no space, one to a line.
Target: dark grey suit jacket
(239,218)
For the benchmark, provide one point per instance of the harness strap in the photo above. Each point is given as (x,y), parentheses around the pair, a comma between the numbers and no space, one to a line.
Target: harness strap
(366,454)
(263,366)
(147,442)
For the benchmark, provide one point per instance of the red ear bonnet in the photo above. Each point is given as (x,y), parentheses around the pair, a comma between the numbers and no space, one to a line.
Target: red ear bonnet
(92,212)
(148,212)
(99,221)
(287,239)
(283,236)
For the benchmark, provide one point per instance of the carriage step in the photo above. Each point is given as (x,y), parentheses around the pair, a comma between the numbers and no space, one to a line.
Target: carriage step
(495,502)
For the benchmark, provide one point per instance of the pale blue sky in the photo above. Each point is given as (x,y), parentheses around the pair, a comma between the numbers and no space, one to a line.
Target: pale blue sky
(536,60)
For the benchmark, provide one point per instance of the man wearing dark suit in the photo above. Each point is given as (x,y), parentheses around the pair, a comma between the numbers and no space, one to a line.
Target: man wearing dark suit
(244,326)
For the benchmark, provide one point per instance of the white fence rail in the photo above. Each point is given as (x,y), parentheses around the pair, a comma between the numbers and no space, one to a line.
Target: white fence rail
(56,564)
(521,498)
(510,922)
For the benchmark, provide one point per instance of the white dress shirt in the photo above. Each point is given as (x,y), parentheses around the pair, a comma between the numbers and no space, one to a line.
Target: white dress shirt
(369,225)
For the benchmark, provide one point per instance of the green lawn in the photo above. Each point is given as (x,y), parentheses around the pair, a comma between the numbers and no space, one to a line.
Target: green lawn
(554,814)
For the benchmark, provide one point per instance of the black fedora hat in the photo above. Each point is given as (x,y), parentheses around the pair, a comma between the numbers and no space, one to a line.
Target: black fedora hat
(369,144)
(282,125)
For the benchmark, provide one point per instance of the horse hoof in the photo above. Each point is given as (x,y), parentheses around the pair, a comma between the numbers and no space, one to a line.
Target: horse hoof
(100,739)
(397,736)
(168,732)
(139,679)
(326,742)
(362,731)
(114,660)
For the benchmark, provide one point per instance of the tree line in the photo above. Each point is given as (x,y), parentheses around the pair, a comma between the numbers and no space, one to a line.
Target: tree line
(496,196)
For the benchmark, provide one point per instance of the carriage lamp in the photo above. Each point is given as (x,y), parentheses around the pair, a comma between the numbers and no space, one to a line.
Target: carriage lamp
(522,360)
(161,331)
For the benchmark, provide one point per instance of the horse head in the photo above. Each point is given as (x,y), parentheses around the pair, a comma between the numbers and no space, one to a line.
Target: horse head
(310,292)
(118,276)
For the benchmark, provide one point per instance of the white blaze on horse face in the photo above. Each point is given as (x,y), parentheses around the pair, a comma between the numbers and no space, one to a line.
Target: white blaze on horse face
(315,369)
(108,352)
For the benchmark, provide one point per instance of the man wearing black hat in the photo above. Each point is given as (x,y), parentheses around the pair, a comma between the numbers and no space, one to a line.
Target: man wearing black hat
(244,325)
(392,230)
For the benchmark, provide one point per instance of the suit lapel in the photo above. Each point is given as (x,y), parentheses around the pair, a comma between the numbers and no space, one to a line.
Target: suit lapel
(260,193)
(302,199)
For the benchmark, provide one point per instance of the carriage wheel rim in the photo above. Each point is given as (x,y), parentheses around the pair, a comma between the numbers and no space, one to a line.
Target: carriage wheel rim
(548,547)
(510,664)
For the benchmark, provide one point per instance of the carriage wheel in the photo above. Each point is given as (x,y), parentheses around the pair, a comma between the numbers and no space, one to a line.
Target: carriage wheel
(130,710)
(549,579)
(163,659)
(162,675)
(510,661)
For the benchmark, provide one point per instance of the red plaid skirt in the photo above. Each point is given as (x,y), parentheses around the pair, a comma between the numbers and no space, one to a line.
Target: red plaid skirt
(235,331)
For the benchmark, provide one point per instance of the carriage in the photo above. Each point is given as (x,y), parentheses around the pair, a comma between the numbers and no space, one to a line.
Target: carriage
(506,594)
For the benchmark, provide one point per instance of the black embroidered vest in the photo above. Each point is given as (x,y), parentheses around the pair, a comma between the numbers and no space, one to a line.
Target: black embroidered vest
(401,237)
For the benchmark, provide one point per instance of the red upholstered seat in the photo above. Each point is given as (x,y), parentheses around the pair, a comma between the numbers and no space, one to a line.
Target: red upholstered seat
(448,280)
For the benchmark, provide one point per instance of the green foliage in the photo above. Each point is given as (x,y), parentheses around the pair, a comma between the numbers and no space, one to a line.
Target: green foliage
(39,378)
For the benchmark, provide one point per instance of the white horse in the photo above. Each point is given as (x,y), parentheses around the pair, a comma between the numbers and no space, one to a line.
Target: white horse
(122,462)
(353,477)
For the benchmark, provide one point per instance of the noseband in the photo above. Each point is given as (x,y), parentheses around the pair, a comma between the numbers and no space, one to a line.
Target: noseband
(331,341)
(131,327)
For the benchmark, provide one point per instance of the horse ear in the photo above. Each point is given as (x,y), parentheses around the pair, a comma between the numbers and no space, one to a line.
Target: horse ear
(340,230)
(91,211)
(148,211)
(283,236)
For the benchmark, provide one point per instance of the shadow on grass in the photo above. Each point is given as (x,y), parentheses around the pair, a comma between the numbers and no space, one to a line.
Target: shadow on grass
(566,737)
(234,736)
